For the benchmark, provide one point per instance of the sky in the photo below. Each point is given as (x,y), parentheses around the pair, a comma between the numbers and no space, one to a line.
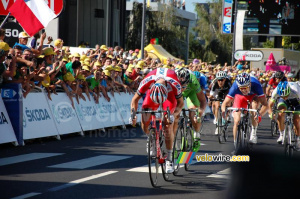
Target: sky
(189,4)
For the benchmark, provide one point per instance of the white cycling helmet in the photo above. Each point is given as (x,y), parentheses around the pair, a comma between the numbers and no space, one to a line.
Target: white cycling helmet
(158,93)
(221,75)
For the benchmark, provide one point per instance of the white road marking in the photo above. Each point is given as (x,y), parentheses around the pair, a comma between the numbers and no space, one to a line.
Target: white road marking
(221,174)
(26,157)
(90,162)
(28,195)
(76,182)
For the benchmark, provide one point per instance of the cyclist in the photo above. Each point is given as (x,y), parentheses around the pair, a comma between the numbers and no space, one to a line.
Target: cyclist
(219,89)
(161,87)
(243,89)
(202,80)
(288,97)
(274,81)
(194,96)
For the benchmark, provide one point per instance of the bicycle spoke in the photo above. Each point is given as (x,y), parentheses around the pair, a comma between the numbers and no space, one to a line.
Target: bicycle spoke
(152,159)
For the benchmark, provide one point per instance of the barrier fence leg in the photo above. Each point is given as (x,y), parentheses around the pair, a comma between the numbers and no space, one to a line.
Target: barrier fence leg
(81,133)
(57,137)
(15,143)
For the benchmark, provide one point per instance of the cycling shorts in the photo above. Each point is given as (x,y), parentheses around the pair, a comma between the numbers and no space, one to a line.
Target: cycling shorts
(292,103)
(171,102)
(192,99)
(240,101)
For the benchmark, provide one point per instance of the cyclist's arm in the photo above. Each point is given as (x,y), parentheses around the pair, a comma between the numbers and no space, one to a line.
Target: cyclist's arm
(272,100)
(226,102)
(264,103)
(179,107)
(202,100)
(135,102)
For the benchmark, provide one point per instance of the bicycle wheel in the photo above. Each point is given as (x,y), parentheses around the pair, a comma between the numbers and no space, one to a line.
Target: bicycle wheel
(188,144)
(153,163)
(177,148)
(164,153)
(219,126)
(288,151)
(273,127)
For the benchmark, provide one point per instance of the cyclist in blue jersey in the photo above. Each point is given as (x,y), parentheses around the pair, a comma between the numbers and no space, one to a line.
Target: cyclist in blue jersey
(246,88)
(202,80)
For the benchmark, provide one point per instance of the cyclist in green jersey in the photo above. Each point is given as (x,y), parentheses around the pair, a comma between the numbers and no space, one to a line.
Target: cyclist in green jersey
(195,97)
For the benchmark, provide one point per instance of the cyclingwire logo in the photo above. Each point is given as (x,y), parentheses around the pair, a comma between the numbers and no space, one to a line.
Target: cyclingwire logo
(222,158)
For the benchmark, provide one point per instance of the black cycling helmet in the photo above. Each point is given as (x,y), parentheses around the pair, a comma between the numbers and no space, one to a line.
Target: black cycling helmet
(183,74)
(279,74)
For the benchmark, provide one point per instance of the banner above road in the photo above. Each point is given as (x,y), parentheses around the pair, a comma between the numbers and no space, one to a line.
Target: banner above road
(248,55)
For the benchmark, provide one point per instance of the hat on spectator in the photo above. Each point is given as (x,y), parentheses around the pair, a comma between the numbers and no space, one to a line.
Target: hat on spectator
(141,63)
(23,35)
(137,50)
(68,77)
(81,77)
(75,55)
(290,75)
(139,66)
(107,73)
(97,63)
(57,42)
(48,51)
(129,69)
(86,63)
(110,56)
(4,46)
(126,61)
(87,59)
(118,69)
(130,51)
(82,57)
(195,61)
(103,47)
(85,67)
(65,59)
(109,68)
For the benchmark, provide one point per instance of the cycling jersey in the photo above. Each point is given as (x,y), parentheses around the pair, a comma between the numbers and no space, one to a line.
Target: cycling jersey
(173,86)
(256,89)
(293,95)
(202,80)
(273,82)
(190,93)
(217,92)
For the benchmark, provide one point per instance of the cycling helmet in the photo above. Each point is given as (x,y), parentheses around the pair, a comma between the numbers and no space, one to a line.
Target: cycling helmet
(243,79)
(184,74)
(279,74)
(197,74)
(158,93)
(283,89)
(221,75)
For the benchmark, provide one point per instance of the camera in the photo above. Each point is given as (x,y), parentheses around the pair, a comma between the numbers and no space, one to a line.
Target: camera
(9,56)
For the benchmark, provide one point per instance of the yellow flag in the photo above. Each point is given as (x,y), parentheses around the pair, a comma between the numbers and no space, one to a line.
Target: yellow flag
(148,3)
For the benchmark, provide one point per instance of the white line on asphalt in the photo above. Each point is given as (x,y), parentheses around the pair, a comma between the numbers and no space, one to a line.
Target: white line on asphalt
(145,169)
(76,182)
(90,162)
(28,195)
(26,157)
(221,174)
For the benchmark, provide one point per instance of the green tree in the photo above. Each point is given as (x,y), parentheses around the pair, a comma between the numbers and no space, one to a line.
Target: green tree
(217,46)
(268,44)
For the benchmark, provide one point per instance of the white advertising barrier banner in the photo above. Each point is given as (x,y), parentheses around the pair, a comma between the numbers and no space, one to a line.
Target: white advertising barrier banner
(88,114)
(123,101)
(37,117)
(64,115)
(109,113)
(6,131)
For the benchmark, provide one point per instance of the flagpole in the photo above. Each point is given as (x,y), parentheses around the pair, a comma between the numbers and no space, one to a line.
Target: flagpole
(3,22)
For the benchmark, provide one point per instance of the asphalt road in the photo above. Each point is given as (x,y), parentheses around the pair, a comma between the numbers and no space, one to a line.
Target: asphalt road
(114,165)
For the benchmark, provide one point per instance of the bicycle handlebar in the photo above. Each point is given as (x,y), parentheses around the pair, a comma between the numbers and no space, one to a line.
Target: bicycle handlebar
(216,100)
(281,111)
(242,109)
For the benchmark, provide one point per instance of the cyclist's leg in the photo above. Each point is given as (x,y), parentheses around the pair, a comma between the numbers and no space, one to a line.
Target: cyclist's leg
(280,118)
(236,120)
(240,101)
(193,103)
(254,105)
(146,117)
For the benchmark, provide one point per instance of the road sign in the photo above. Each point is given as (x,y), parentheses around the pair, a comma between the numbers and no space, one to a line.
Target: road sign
(12,31)
(248,55)
(55,5)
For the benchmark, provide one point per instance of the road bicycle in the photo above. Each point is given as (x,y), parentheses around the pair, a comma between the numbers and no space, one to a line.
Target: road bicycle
(244,129)
(156,138)
(222,124)
(184,140)
(289,137)
(274,124)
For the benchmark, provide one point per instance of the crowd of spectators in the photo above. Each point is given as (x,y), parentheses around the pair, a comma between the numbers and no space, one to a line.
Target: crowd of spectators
(95,72)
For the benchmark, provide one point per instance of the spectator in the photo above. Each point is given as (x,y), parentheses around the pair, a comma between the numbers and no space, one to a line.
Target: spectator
(2,34)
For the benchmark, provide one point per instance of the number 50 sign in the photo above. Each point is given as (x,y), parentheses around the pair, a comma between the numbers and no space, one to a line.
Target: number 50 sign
(55,5)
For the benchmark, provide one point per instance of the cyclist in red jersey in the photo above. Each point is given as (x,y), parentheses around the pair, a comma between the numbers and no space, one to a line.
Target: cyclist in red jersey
(274,81)
(162,79)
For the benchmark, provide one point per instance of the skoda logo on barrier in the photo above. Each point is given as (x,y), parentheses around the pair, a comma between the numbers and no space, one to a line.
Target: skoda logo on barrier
(249,55)
(63,112)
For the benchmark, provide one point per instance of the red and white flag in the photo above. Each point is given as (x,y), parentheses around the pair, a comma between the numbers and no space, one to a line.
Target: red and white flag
(33,15)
